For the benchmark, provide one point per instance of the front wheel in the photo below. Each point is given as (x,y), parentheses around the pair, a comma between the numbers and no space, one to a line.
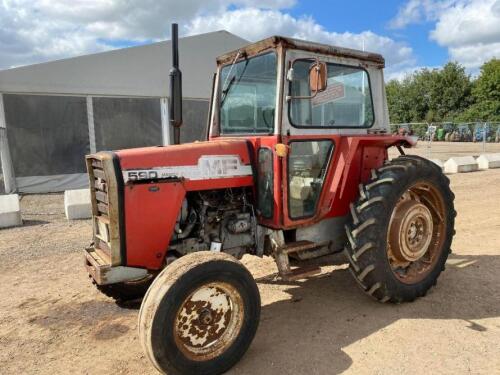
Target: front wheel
(200,315)
(402,229)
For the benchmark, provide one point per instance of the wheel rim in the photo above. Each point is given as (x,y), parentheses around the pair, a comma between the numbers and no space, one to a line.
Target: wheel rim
(208,321)
(416,233)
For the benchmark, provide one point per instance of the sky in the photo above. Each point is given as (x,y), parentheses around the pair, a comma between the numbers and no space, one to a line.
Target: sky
(411,34)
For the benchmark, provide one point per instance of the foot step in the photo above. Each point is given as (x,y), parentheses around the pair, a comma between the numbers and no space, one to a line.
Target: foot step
(299,246)
(301,273)
(283,260)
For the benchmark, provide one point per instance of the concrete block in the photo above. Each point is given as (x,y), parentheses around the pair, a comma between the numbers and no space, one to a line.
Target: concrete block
(439,163)
(10,212)
(460,164)
(77,204)
(488,161)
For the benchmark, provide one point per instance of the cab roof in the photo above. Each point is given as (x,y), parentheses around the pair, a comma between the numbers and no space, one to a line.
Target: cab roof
(291,43)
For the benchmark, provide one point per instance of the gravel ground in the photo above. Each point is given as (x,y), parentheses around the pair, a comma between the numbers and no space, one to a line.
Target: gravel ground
(52,320)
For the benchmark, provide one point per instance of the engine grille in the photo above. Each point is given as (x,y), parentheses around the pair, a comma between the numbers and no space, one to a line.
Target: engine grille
(100,205)
(100,188)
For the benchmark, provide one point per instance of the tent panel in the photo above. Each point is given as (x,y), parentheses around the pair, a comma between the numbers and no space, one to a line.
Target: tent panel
(126,122)
(52,184)
(47,135)
(194,116)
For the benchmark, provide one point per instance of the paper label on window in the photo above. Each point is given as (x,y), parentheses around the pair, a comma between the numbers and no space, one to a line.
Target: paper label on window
(334,91)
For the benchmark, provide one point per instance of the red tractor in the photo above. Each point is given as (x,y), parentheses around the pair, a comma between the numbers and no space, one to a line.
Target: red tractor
(295,167)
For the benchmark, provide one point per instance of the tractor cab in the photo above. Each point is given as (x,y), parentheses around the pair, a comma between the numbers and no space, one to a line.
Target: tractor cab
(295,101)
(287,87)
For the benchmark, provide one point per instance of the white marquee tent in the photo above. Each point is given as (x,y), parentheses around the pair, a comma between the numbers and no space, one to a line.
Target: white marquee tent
(52,114)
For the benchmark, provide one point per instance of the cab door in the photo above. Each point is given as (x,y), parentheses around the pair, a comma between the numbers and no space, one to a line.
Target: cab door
(306,169)
(326,98)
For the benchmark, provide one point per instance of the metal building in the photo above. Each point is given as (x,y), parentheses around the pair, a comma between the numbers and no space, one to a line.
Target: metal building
(52,114)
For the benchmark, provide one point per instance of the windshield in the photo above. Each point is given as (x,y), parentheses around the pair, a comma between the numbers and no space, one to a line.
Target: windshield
(247,95)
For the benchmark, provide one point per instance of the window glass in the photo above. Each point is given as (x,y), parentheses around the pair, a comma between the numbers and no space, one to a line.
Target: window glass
(346,101)
(307,167)
(248,95)
(265,186)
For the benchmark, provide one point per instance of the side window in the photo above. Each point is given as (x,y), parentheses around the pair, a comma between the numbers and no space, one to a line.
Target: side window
(265,185)
(346,101)
(307,167)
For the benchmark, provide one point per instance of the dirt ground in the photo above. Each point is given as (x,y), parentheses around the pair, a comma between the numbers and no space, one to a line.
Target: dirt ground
(53,321)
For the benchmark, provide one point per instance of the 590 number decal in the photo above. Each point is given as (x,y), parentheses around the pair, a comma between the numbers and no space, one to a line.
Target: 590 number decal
(142,175)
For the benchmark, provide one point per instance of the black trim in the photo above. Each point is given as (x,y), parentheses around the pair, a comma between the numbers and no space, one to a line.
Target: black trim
(330,158)
(121,207)
(289,103)
(251,156)
(265,148)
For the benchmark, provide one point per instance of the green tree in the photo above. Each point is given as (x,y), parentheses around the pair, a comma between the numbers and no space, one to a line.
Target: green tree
(430,94)
(485,94)
(450,91)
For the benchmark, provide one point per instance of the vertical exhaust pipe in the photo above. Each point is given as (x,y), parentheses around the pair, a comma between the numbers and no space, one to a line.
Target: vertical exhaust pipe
(175,100)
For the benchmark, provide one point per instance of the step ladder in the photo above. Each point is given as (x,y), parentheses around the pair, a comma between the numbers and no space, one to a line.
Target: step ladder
(282,252)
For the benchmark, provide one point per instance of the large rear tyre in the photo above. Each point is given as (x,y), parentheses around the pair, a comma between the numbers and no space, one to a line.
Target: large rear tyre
(200,315)
(402,229)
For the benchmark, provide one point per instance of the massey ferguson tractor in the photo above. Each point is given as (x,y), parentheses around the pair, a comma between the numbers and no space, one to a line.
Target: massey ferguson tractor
(295,167)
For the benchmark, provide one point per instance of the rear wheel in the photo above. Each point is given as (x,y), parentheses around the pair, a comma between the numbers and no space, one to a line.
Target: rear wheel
(200,315)
(402,229)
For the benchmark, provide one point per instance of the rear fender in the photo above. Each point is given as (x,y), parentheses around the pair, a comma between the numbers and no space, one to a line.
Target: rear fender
(354,161)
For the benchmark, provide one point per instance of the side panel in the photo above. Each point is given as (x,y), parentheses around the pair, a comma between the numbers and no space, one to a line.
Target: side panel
(151,211)
(351,164)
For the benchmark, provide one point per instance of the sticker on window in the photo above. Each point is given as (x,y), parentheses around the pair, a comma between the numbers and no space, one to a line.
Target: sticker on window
(334,91)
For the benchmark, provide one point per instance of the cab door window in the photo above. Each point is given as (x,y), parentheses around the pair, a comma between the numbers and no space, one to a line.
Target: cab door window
(345,103)
(307,168)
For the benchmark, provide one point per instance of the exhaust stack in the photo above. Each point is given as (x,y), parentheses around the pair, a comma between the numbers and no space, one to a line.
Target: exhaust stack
(175,100)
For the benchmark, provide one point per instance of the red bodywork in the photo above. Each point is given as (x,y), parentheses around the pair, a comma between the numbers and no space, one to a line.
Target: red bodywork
(151,208)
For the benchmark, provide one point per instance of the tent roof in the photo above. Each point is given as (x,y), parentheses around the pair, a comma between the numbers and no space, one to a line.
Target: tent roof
(134,71)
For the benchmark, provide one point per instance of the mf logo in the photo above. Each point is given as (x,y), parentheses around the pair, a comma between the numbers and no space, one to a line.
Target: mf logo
(219,166)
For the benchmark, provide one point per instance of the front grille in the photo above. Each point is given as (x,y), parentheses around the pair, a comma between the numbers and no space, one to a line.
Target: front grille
(106,208)
(100,188)
(100,205)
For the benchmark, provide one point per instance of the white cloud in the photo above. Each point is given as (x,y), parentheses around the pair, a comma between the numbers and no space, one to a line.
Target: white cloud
(416,11)
(45,30)
(469,29)
(254,24)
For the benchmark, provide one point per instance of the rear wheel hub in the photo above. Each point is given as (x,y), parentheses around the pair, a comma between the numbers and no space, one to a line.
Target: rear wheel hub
(411,231)
(416,233)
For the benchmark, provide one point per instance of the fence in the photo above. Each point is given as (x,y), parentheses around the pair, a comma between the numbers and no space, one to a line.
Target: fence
(453,139)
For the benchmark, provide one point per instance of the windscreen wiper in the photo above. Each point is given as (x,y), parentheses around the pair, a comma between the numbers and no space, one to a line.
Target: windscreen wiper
(227,85)
(226,90)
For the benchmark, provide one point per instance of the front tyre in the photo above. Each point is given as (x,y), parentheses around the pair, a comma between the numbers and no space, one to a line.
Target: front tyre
(402,229)
(200,315)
